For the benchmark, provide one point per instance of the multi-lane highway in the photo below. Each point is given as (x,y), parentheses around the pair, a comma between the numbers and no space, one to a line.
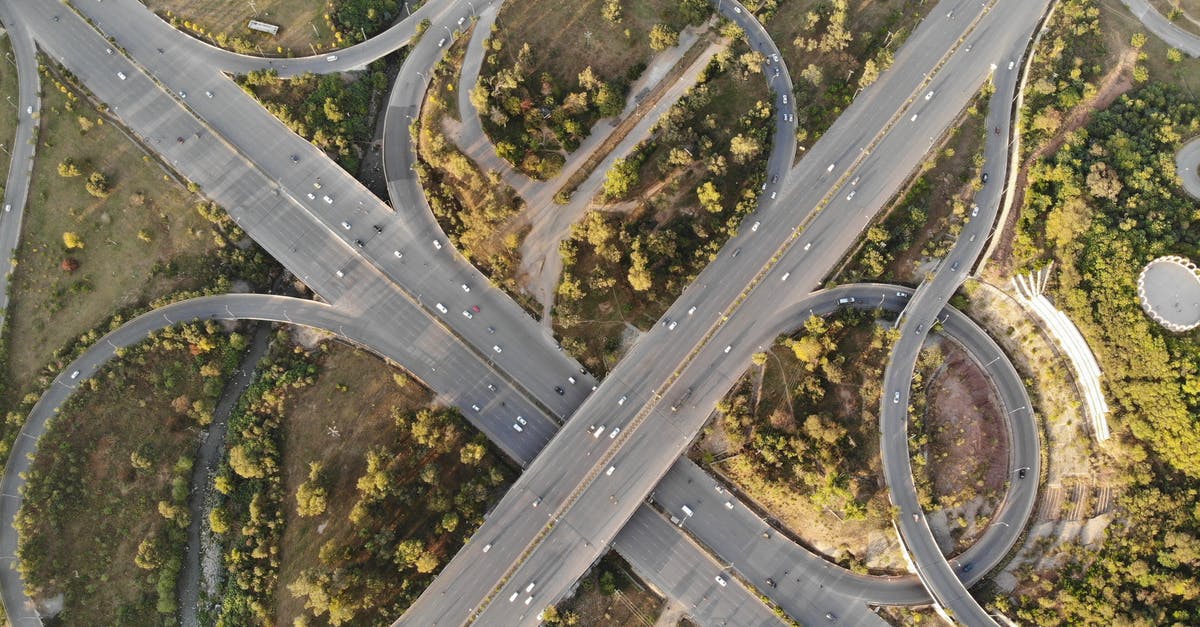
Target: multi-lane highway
(945,582)
(868,151)
(242,158)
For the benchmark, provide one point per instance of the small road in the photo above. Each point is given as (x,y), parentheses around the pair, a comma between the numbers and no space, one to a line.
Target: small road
(20,166)
(1158,24)
(1187,167)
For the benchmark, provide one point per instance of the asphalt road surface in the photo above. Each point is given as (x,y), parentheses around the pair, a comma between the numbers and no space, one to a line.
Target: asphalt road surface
(20,166)
(943,580)
(875,140)
(279,217)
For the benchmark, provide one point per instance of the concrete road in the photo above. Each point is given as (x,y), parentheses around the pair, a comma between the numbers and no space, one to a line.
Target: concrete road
(1158,24)
(20,165)
(943,580)
(580,506)
(117,15)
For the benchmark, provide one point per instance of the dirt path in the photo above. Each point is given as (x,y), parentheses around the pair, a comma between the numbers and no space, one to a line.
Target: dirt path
(1115,83)
(212,447)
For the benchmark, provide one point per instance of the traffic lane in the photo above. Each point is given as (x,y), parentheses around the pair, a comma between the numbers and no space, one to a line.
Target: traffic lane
(134,21)
(684,571)
(804,585)
(333,188)
(601,393)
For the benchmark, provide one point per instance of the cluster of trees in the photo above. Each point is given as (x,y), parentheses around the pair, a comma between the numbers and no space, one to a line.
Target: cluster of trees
(530,117)
(418,499)
(105,503)
(1101,207)
(97,183)
(327,110)
(251,485)
(819,440)
(472,207)
(1063,74)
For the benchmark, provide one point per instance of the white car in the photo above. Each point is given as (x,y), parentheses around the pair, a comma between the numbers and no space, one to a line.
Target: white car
(440,307)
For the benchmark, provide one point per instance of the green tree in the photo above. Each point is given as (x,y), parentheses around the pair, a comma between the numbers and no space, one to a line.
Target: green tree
(72,241)
(98,185)
(67,168)
(663,37)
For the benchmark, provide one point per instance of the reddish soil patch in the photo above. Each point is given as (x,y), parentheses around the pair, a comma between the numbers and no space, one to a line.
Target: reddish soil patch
(969,444)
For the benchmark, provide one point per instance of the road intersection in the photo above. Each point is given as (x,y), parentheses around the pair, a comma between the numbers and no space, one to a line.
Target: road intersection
(254,177)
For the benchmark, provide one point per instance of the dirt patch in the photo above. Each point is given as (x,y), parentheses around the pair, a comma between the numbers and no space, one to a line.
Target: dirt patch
(611,596)
(968,441)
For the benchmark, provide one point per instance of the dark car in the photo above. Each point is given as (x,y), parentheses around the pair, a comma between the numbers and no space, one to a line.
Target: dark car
(559,390)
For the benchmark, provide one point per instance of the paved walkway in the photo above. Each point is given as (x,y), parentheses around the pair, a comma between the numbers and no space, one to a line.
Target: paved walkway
(1162,27)
(1187,166)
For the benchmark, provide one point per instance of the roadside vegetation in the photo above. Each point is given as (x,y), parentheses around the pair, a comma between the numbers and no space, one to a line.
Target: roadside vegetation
(923,221)
(332,111)
(8,117)
(554,69)
(96,250)
(305,26)
(834,49)
(668,209)
(357,524)
(104,517)
(799,435)
(474,208)
(609,595)
(1099,205)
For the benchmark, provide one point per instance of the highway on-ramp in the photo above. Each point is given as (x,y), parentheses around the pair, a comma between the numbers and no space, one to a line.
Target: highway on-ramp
(579,504)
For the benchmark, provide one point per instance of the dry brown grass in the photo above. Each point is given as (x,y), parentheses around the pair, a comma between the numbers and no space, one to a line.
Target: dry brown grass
(296,19)
(361,414)
(566,37)
(51,307)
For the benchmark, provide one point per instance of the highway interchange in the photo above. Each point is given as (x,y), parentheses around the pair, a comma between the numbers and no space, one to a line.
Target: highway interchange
(241,157)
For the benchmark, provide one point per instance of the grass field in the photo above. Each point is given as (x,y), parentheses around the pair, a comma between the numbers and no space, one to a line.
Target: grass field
(101,471)
(354,395)
(566,37)
(301,22)
(823,479)
(8,113)
(117,268)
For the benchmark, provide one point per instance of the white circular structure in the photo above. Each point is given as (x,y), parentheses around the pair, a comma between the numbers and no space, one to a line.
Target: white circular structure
(1169,288)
